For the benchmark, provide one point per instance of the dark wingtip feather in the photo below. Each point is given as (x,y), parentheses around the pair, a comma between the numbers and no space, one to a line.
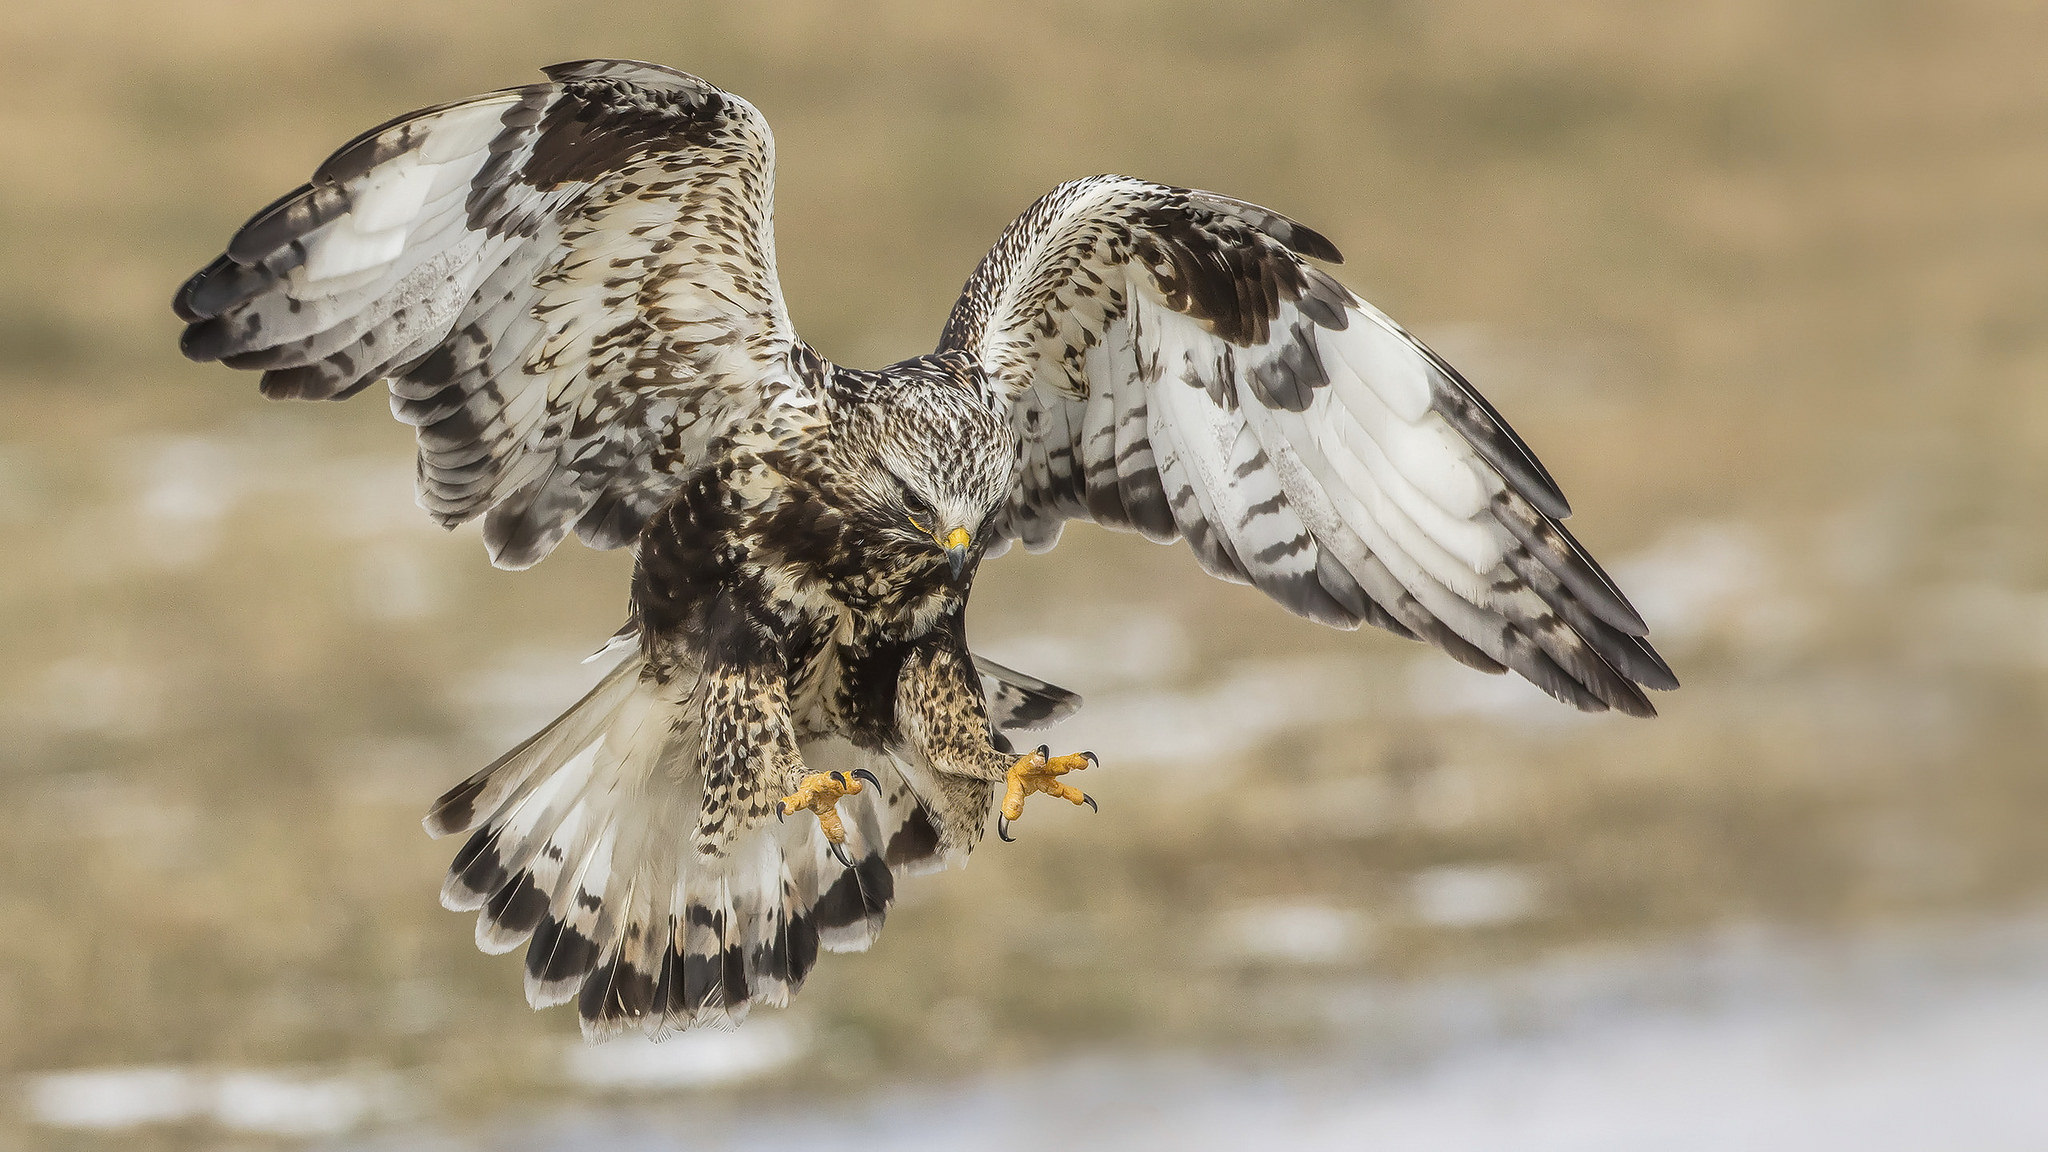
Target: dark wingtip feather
(1632,621)
(1428,627)
(915,843)
(597,67)
(1652,672)
(207,340)
(1456,400)
(321,381)
(1303,594)
(1471,414)
(613,521)
(1297,237)
(280,222)
(521,555)
(1561,554)
(1633,702)
(1313,244)
(1629,655)
(184,302)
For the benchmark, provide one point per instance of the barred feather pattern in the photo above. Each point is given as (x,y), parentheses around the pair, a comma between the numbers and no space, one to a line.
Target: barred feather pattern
(1018,702)
(570,287)
(585,844)
(1180,368)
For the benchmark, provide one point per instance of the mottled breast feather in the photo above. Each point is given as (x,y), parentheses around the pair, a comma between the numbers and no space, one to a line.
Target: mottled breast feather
(1178,366)
(570,287)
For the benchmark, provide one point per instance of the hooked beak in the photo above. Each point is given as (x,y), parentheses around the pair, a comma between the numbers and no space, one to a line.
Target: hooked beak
(956,543)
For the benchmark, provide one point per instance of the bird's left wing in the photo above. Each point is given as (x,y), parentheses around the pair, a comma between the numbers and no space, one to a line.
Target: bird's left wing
(1177,366)
(571,287)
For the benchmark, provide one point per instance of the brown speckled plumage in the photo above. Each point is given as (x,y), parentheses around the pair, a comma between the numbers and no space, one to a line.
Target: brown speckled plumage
(570,289)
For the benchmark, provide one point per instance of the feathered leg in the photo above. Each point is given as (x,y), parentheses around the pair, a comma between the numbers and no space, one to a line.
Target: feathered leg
(943,723)
(750,748)
(750,754)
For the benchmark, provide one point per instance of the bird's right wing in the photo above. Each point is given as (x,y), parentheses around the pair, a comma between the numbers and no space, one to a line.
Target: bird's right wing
(570,287)
(1176,364)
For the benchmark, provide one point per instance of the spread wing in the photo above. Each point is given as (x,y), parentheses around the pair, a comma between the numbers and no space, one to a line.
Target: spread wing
(570,287)
(1177,366)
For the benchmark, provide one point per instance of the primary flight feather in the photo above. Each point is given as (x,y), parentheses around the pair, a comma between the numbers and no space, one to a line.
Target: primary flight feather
(570,290)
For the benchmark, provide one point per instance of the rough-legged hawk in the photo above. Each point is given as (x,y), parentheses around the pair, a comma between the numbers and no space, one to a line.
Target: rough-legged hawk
(570,288)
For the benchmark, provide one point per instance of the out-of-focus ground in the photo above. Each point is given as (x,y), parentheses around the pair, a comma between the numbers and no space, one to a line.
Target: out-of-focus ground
(1765,284)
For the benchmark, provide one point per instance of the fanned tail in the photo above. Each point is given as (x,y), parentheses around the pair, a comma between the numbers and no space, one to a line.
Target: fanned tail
(579,847)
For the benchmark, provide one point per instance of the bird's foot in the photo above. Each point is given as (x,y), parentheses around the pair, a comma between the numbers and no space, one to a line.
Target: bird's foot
(1040,772)
(821,792)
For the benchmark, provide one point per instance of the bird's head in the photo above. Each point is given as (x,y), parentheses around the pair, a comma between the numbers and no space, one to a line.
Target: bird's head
(933,467)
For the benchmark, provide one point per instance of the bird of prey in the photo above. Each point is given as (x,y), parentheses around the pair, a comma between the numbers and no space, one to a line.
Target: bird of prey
(570,289)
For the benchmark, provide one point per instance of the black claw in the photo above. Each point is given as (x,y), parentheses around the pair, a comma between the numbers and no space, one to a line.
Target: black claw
(1045,751)
(864,774)
(1090,802)
(839,778)
(1092,761)
(839,854)
(780,815)
(1003,830)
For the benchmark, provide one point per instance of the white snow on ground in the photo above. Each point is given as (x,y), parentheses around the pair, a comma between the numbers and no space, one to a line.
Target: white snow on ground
(1475,895)
(261,1101)
(1290,932)
(1932,1041)
(687,1060)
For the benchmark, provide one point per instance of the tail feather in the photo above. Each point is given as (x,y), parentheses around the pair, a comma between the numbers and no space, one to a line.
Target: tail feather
(1018,701)
(714,975)
(613,834)
(623,986)
(563,948)
(853,902)
(579,846)
(765,926)
(504,848)
(463,806)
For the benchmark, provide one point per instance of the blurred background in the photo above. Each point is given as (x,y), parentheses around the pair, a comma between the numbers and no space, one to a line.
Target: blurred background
(1765,284)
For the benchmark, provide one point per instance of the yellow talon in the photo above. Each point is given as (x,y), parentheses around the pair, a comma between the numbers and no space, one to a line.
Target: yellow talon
(821,792)
(1039,772)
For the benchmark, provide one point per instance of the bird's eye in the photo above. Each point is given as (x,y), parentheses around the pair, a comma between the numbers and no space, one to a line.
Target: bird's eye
(921,514)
